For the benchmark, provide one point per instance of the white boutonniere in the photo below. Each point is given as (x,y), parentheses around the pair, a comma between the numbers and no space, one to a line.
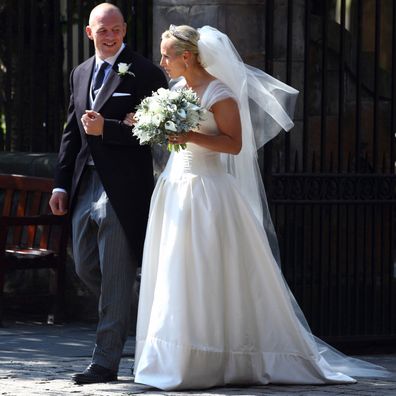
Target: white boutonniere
(123,68)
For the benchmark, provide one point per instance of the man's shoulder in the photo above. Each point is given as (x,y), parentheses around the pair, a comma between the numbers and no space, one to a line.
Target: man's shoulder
(141,62)
(85,65)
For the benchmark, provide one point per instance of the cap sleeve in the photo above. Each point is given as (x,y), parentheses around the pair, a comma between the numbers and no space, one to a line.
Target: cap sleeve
(215,92)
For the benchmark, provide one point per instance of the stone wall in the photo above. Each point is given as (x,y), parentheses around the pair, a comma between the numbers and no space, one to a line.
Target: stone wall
(242,20)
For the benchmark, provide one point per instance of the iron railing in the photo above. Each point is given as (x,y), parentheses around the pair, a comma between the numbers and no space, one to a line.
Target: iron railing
(331,181)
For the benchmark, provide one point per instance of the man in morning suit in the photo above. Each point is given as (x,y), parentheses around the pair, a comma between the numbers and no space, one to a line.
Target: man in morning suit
(105,178)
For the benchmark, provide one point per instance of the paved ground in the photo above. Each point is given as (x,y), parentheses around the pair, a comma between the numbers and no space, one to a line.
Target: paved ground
(36,359)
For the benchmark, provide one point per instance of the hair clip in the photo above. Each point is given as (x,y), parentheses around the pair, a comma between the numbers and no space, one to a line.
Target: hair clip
(173,30)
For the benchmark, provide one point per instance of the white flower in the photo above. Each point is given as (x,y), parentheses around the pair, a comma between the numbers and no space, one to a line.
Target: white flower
(170,126)
(174,95)
(165,113)
(123,68)
(155,106)
(194,117)
(162,92)
(182,113)
(157,119)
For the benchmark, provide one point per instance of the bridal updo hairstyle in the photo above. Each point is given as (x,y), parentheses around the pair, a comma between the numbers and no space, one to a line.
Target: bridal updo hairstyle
(184,38)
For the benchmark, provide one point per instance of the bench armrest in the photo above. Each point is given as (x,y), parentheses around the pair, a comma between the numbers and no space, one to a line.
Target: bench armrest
(6,221)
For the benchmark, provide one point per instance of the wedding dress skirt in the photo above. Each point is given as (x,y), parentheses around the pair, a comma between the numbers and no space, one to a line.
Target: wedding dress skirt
(214,308)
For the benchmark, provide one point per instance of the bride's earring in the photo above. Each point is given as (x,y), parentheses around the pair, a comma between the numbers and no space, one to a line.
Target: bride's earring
(186,65)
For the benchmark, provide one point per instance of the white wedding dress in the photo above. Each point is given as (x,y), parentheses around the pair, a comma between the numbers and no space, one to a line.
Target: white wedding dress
(214,308)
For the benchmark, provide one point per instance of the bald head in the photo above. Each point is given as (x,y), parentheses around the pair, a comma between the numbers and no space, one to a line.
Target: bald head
(107,29)
(104,9)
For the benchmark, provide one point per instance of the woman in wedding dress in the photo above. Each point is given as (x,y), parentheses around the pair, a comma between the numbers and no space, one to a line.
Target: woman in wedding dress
(214,308)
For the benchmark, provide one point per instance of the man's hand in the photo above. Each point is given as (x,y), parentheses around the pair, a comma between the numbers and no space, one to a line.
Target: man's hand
(129,119)
(93,123)
(58,203)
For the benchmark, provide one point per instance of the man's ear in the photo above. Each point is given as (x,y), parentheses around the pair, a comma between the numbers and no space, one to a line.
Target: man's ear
(88,30)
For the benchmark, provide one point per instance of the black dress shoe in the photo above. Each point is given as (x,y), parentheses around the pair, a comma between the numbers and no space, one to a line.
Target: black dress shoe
(95,374)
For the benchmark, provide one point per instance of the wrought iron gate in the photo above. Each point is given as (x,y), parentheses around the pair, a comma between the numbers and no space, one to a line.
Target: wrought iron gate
(331,181)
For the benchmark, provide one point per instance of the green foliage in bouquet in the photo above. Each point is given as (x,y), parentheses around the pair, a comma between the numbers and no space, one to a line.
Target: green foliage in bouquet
(167,113)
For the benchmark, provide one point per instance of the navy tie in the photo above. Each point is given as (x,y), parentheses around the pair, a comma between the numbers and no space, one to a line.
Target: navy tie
(99,78)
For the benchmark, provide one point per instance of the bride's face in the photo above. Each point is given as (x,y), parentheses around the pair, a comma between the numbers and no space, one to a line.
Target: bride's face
(173,64)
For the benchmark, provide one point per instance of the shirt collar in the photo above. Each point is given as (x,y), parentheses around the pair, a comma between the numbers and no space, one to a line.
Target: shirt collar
(111,60)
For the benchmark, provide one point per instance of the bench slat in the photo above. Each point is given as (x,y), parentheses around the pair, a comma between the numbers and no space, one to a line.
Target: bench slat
(31,237)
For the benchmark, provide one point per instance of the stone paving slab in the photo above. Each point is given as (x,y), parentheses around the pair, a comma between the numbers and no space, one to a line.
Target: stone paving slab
(39,360)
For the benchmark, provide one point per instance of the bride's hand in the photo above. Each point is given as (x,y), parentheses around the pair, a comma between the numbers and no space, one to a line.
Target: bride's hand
(180,138)
(129,119)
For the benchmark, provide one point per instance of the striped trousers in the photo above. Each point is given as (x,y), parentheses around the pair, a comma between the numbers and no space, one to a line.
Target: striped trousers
(104,262)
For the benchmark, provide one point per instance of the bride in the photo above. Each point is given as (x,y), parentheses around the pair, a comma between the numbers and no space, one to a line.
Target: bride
(214,308)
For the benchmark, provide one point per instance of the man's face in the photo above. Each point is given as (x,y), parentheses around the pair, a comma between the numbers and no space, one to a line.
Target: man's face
(107,29)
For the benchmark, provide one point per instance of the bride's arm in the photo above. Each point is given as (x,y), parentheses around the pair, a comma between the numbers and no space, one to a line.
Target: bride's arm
(229,140)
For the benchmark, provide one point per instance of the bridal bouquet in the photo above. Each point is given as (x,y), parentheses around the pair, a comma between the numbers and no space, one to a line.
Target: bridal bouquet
(167,113)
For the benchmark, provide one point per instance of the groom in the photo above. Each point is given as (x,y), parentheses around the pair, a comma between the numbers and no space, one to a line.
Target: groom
(105,178)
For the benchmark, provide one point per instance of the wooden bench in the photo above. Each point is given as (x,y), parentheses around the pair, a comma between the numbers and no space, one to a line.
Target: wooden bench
(31,237)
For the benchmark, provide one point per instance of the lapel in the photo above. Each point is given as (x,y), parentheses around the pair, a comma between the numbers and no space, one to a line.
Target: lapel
(113,80)
(110,85)
(81,88)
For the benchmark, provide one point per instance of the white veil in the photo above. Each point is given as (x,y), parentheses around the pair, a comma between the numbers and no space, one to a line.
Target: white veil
(266,107)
